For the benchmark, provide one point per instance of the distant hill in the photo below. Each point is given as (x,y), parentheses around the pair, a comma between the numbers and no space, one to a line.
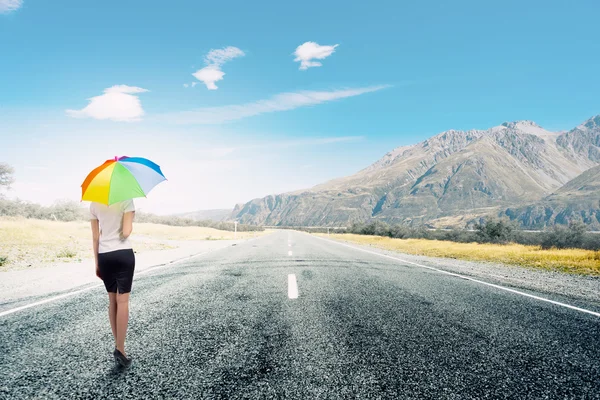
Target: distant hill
(452,177)
(578,200)
(204,215)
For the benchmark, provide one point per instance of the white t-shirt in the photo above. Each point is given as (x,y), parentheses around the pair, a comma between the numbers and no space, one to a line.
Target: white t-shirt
(110,219)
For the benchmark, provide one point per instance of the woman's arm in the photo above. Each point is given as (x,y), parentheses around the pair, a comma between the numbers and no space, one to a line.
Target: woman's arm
(127,224)
(96,243)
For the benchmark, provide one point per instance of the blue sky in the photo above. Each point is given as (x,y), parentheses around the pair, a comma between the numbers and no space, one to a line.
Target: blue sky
(393,73)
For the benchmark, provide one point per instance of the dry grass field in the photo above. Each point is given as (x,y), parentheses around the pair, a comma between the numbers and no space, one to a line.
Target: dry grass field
(25,242)
(569,260)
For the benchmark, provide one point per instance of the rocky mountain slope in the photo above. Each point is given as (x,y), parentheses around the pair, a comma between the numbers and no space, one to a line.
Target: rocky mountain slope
(456,173)
(579,200)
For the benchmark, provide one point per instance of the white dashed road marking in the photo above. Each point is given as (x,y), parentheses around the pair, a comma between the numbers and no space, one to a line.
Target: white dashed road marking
(292,287)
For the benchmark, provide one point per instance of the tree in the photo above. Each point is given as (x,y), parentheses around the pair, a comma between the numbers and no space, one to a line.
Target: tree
(6,174)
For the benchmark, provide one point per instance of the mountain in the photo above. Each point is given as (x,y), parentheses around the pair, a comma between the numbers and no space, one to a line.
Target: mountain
(584,140)
(453,174)
(579,200)
(203,215)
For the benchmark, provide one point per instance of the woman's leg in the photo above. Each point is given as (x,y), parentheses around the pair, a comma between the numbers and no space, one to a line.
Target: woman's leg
(112,314)
(122,320)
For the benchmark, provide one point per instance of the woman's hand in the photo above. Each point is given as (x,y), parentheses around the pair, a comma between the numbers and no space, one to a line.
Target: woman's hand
(98,272)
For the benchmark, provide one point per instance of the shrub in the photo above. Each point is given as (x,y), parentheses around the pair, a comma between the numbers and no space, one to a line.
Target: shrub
(489,231)
(61,210)
(357,228)
(494,231)
(177,221)
(563,237)
(421,233)
(399,231)
(375,228)
(456,235)
(67,210)
(66,253)
(3,260)
(591,241)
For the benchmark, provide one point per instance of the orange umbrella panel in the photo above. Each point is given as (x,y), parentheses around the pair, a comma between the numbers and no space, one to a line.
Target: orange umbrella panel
(121,179)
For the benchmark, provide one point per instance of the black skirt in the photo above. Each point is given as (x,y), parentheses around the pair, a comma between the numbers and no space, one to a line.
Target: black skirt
(116,269)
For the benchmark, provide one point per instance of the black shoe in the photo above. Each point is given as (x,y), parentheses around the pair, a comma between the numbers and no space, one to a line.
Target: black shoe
(121,359)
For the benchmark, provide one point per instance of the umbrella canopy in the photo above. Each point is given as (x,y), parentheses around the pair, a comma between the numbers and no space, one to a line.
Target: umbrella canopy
(120,179)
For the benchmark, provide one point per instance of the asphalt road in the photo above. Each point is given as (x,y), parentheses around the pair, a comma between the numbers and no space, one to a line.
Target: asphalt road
(222,326)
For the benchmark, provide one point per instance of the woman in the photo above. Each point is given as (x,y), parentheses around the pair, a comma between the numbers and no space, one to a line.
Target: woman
(115,262)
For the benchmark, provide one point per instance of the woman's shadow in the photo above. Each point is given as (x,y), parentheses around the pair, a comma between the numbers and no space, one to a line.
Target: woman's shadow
(118,371)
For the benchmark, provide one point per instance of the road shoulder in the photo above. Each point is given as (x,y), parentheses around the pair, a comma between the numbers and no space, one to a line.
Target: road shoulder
(586,288)
(28,285)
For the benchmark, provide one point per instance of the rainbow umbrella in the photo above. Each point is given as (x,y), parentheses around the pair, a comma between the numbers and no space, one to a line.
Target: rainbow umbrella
(121,179)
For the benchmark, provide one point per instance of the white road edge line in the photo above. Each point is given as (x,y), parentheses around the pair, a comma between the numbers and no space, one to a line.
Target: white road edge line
(292,287)
(467,278)
(62,296)
(37,303)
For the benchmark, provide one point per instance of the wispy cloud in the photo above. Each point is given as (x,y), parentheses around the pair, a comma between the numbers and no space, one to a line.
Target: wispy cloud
(118,103)
(7,6)
(219,57)
(314,141)
(214,60)
(224,152)
(309,51)
(279,102)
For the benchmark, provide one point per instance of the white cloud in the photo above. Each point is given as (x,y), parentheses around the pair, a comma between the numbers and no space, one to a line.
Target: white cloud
(280,102)
(214,61)
(209,75)
(311,50)
(185,85)
(125,89)
(219,57)
(7,6)
(118,103)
